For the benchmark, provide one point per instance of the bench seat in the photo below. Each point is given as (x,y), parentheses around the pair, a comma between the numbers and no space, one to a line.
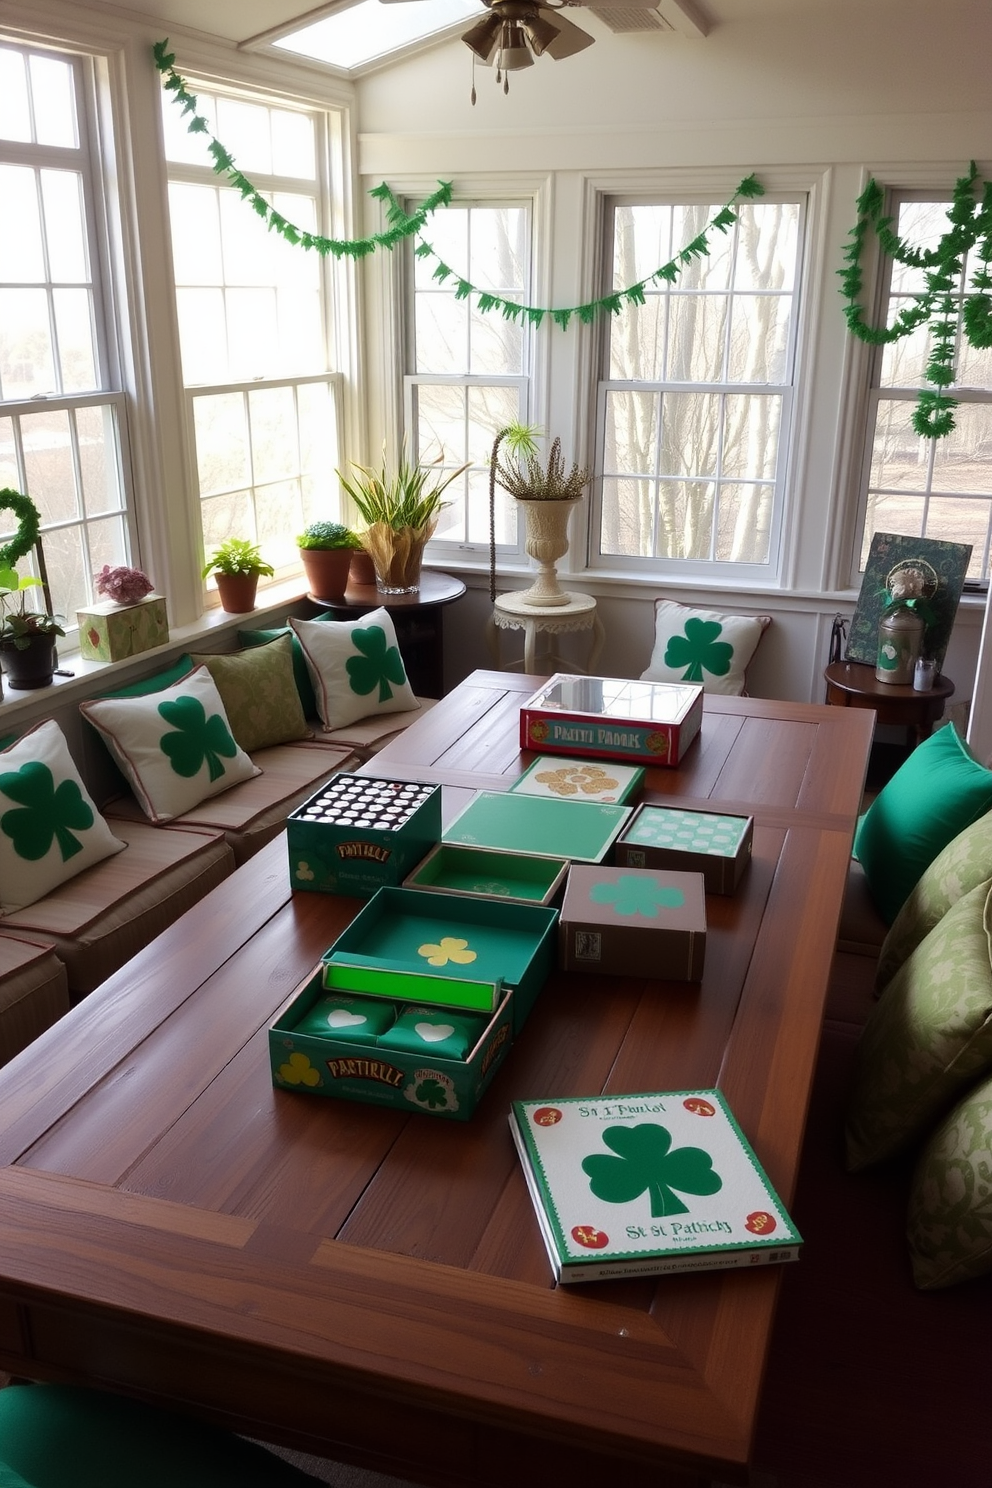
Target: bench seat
(34,993)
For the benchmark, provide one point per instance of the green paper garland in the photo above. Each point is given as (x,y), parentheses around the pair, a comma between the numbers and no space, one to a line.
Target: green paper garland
(970,217)
(404,225)
(400,224)
(28,527)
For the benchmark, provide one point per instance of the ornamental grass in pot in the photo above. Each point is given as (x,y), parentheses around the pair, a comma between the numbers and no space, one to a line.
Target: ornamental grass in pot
(400,509)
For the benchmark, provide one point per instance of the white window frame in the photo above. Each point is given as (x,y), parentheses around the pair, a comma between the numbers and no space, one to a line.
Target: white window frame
(88,159)
(667,189)
(896,192)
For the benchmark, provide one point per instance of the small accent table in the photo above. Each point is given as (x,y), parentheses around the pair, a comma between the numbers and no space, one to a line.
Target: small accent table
(853,684)
(417,619)
(511,612)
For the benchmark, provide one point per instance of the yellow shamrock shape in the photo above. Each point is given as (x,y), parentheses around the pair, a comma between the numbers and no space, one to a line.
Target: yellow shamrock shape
(299,1071)
(450,949)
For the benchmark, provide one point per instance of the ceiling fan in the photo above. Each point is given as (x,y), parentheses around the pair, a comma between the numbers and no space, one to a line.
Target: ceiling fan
(516,31)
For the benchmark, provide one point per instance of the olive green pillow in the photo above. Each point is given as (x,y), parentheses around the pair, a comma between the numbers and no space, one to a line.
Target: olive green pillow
(258,690)
(927,1038)
(949,1225)
(301,671)
(965,862)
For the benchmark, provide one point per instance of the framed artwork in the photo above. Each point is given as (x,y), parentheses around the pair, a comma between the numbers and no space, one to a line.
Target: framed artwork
(946,562)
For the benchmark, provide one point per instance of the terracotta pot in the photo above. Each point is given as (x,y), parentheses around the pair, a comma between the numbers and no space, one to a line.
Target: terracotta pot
(31,667)
(362,568)
(327,571)
(237,592)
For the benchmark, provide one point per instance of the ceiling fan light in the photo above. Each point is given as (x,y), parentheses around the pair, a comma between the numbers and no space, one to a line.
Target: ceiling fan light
(540,33)
(514,53)
(482,37)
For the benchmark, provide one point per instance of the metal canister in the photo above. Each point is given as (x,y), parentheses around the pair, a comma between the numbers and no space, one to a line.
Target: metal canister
(900,637)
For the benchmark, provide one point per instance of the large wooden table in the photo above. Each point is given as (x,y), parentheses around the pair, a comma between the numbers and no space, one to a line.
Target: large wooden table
(372,1285)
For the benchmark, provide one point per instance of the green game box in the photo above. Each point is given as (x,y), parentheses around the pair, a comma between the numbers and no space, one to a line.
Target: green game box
(581,831)
(357,834)
(352,1069)
(633,922)
(448,950)
(518,878)
(580,780)
(714,844)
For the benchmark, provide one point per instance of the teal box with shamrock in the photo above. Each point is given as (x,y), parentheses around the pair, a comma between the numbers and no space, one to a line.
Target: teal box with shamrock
(357,834)
(633,922)
(355,1069)
(713,843)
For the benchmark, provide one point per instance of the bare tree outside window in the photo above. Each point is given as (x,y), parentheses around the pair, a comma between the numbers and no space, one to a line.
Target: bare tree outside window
(698,384)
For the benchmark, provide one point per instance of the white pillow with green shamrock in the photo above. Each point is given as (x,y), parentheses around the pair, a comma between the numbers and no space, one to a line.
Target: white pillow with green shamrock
(703,646)
(356,668)
(50,829)
(175,746)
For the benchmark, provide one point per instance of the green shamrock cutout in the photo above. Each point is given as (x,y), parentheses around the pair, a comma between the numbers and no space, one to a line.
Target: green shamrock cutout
(45,812)
(646,1164)
(198,740)
(631,895)
(431,1093)
(699,650)
(378,665)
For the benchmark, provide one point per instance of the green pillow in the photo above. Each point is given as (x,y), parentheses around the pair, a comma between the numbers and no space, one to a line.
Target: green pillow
(53,1435)
(301,672)
(949,1224)
(927,1038)
(156,682)
(259,694)
(940,790)
(964,863)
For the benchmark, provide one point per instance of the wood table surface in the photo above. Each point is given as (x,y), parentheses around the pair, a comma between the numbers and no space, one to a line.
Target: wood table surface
(372,1285)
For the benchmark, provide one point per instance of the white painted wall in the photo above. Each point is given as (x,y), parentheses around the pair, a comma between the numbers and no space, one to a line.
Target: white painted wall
(895,90)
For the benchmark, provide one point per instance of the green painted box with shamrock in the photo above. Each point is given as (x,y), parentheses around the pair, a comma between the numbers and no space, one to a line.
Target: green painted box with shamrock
(633,922)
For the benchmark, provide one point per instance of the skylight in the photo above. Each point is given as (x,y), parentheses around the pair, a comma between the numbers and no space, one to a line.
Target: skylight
(371,31)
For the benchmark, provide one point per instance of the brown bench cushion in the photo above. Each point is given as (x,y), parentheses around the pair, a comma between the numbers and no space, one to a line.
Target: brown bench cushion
(369,735)
(34,993)
(107,913)
(251,813)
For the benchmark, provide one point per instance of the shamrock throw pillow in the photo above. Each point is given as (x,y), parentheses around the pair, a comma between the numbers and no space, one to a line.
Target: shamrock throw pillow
(356,668)
(703,646)
(175,747)
(50,829)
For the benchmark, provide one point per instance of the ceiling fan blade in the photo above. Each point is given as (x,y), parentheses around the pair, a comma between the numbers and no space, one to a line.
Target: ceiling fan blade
(570,38)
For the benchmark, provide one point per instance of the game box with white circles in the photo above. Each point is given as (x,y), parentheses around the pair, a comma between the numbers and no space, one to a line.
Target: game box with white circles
(358,834)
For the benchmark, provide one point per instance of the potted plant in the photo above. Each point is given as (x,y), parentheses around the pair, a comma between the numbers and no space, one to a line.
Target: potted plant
(326,549)
(548,492)
(27,637)
(237,566)
(400,509)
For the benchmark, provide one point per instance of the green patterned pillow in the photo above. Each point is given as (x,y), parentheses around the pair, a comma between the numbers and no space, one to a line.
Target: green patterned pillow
(300,669)
(927,1038)
(259,694)
(949,1224)
(50,830)
(965,862)
(356,668)
(175,747)
(703,646)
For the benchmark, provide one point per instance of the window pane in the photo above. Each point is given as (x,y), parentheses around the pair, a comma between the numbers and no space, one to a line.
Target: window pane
(96,430)
(15,118)
(54,105)
(62,193)
(74,329)
(21,253)
(727,319)
(221,425)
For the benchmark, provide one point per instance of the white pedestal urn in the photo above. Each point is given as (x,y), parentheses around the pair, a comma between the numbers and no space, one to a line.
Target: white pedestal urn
(546,542)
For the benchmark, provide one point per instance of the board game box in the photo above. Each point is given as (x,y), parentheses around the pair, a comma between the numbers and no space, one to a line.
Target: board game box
(628,1185)
(712,843)
(612,718)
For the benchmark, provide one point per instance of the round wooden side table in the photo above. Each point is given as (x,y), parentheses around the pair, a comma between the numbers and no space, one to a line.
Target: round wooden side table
(853,684)
(417,620)
(511,612)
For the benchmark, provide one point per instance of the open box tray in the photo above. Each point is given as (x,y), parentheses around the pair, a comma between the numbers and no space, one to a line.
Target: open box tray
(488,873)
(477,947)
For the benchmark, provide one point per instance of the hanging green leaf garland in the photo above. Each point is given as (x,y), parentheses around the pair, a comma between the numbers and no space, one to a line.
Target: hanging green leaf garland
(634,294)
(401,225)
(940,304)
(405,225)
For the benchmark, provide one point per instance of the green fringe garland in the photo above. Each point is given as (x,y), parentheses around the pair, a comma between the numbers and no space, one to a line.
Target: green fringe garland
(970,218)
(404,225)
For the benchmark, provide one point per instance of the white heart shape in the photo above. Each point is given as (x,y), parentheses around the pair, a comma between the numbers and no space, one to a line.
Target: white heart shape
(341,1018)
(433,1033)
